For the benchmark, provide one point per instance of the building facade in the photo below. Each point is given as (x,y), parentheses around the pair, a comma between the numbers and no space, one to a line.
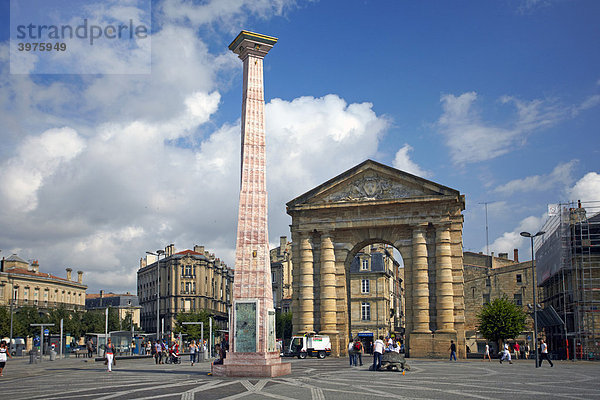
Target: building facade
(125,304)
(190,281)
(568,265)
(488,278)
(376,299)
(24,285)
(281,275)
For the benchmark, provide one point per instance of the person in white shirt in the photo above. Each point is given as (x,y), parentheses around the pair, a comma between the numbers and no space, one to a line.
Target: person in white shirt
(544,353)
(378,349)
(487,353)
(506,354)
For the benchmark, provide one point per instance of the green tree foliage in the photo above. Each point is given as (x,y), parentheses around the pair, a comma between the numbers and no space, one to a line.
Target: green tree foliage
(23,317)
(75,323)
(4,322)
(501,319)
(71,321)
(284,325)
(192,332)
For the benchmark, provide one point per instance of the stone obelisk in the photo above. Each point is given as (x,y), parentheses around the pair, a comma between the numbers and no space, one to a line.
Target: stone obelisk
(252,347)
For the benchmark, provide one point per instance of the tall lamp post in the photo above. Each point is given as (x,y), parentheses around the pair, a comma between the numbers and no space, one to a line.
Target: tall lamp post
(535,329)
(157,254)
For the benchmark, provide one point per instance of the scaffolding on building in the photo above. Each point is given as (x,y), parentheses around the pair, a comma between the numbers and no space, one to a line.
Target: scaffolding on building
(568,267)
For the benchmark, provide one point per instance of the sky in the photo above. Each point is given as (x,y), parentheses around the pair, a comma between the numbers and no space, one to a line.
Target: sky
(497,99)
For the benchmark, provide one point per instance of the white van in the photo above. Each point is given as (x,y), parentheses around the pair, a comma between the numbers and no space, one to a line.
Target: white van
(314,346)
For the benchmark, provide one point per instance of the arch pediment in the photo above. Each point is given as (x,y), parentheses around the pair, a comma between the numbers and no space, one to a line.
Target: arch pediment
(371,181)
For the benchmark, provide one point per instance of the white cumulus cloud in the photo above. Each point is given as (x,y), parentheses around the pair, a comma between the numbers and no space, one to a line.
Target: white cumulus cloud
(560,175)
(587,188)
(403,162)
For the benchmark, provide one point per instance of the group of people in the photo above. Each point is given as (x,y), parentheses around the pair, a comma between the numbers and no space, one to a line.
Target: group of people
(356,350)
(519,351)
(163,352)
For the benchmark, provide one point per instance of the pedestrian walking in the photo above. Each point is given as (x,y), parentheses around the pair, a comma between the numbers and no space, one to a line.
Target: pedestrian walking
(527,351)
(544,353)
(157,353)
(506,354)
(452,350)
(90,348)
(193,352)
(517,350)
(4,355)
(358,352)
(487,353)
(378,349)
(351,353)
(109,355)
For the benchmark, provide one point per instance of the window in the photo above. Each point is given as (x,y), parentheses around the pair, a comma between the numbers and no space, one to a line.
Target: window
(273,277)
(473,292)
(519,278)
(188,270)
(365,311)
(518,299)
(364,265)
(25,293)
(488,281)
(365,286)
(486,298)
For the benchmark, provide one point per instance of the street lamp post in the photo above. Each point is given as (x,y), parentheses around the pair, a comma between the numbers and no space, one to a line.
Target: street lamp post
(157,254)
(535,329)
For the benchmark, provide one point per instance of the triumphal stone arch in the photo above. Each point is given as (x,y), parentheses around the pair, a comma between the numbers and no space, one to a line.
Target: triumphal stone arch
(374,203)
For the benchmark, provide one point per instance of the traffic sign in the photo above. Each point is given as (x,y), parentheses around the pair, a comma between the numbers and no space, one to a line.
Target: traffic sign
(46,331)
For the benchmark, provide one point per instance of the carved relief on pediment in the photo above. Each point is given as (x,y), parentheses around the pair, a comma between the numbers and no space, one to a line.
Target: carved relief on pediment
(371,187)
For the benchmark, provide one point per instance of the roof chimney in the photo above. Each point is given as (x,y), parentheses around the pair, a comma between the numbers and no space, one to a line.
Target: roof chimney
(516,256)
(35,266)
(199,249)
(80,276)
(170,250)
(282,244)
(69,270)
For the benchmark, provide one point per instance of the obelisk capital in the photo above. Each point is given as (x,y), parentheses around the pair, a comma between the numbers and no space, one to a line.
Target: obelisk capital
(252,43)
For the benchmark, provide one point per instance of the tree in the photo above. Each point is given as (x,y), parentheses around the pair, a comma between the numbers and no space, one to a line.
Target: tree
(193,332)
(501,319)
(4,322)
(284,325)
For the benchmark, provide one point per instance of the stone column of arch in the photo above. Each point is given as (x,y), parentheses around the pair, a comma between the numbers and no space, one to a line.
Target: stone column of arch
(420,281)
(444,281)
(343,310)
(306,289)
(328,285)
(406,252)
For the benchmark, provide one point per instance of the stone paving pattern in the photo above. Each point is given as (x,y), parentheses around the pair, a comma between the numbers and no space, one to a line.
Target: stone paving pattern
(331,378)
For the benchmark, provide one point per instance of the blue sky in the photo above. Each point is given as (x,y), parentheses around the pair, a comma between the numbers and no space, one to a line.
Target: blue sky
(498,100)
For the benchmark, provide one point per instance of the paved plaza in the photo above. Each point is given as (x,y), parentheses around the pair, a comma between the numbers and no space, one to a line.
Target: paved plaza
(331,378)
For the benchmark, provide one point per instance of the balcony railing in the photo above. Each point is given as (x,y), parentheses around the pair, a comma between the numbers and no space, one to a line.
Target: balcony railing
(45,304)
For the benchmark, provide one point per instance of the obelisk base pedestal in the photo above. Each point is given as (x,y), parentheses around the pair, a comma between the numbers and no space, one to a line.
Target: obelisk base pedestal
(252,365)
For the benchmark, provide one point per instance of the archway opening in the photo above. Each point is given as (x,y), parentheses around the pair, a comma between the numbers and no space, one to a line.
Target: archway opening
(375,292)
